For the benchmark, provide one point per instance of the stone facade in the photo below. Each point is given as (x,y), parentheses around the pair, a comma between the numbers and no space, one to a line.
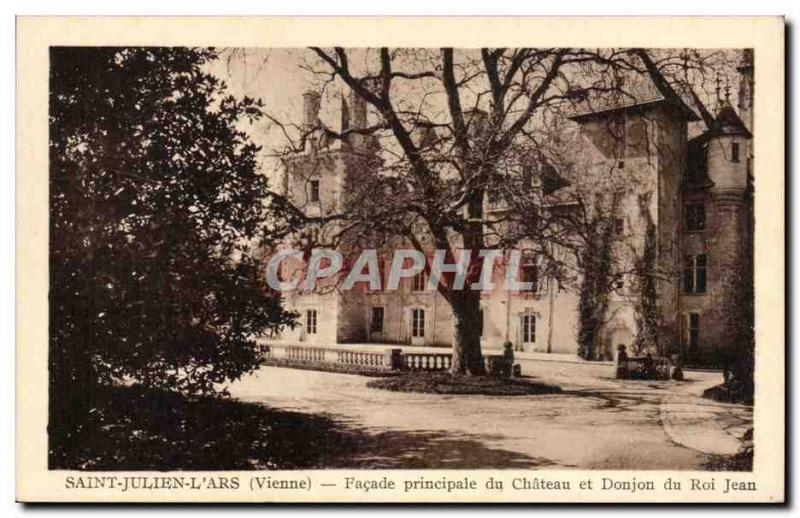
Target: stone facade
(696,192)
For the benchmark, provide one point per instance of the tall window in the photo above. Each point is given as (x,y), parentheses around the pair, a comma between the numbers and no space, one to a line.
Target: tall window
(528,329)
(418,282)
(311,321)
(418,323)
(694,273)
(693,334)
(529,269)
(619,226)
(735,152)
(694,217)
(314,190)
(376,323)
(480,321)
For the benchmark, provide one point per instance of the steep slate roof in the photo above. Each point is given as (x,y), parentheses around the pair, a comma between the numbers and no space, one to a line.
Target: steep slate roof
(729,123)
(726,122)
(638,94)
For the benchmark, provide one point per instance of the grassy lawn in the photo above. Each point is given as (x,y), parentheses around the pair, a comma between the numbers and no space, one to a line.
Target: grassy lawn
(443,383)
(133,429)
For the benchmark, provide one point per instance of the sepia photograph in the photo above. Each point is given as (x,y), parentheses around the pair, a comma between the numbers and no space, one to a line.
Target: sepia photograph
(464,246)
(359,260)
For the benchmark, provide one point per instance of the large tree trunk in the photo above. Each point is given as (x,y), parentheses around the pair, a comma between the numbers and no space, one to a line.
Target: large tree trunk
(467,355)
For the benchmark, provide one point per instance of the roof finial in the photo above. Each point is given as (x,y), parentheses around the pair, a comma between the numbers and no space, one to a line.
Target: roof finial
(685,58)
(719,83)
(727,89)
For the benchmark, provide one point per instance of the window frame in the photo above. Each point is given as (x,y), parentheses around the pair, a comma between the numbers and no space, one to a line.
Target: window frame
(315,190)
(528,328)
(417,323)
(419,281)
(475,210)
(372,327)
(687,219)
(619,226)
(311,321)
(529,268)
(692,336)
(693,272)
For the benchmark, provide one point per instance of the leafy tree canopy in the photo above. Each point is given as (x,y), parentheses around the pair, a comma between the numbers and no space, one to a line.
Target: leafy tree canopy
(157,214)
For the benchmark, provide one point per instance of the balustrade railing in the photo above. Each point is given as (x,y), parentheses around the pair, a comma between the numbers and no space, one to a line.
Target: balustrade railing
(428,362)
(336,358)
(354,360)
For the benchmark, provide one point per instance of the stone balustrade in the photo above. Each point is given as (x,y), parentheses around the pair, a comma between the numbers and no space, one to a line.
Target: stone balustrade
(329,358)
(428,362)
(381,362)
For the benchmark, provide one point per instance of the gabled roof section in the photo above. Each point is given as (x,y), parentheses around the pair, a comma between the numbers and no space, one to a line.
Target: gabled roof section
(637,107)
(633,94)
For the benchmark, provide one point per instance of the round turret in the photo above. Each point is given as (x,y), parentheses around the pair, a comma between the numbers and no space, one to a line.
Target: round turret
(727,153)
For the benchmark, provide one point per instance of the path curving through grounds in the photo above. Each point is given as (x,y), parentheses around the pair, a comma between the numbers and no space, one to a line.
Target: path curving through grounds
(596,423)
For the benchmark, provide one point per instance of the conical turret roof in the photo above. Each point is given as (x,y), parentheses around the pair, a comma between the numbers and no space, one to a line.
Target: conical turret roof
(728,122)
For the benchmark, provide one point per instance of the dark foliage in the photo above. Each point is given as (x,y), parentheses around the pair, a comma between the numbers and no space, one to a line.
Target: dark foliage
(440,383)
(729,393)
(135,429)
(130,428)
(740,461)
(740,314)
(597,283)
(156,208)
(648,319)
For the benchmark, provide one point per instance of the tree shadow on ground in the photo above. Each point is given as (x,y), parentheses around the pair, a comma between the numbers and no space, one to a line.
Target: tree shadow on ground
(616,400)
(435,450)
(129,428)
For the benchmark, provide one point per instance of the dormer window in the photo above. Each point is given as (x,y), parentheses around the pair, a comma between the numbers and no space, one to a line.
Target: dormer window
(314,195)
(735,152)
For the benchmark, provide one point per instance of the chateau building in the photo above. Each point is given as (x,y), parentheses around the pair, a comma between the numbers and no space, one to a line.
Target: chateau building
(691,195)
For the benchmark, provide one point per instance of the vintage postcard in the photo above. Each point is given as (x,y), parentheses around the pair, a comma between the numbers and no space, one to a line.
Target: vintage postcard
(400,260)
